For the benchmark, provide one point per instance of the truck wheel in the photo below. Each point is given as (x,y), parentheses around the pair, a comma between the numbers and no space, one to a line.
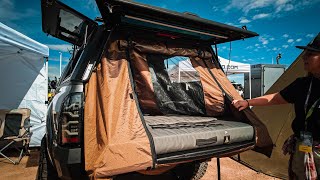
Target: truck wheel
(191,171)
(46,171)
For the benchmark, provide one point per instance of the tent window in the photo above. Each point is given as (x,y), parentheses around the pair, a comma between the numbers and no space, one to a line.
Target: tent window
(180,69)
(177,85)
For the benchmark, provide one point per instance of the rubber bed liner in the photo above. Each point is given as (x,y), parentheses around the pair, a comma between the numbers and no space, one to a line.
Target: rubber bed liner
(179,133)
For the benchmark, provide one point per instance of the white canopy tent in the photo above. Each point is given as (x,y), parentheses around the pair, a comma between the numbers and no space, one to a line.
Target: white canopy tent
(24,77)
(229,67)
(232,67)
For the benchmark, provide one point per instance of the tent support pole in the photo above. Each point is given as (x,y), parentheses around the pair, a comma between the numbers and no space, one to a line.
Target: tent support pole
(218,169)
(250,83)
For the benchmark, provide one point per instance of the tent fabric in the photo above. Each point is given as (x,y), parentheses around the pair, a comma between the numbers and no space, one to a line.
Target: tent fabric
(115,139)
(24,78)
(263,140)
(212,94)
(278,121)
(144,84)
(211,91)
(16,39)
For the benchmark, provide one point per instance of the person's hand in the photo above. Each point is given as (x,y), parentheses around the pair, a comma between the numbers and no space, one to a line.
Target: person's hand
(240,104)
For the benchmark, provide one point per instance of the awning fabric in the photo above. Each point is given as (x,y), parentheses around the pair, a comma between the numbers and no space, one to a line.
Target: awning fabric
(24,77)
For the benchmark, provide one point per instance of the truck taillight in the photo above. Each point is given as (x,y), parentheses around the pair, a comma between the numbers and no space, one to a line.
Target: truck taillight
(71,114)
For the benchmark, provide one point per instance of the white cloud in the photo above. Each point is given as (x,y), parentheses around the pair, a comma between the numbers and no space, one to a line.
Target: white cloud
(257,45)
(281,2)
(54,71)
(263,40)
(244,20)
(290,40)
(57,59)
(285,46)
(285,35)
(274,49)
(310,35)
(298,40)
(272,39)
(249,47)
(60,47)
(284,7)
(275,8)
(8,11)
(215,8)
(260,16)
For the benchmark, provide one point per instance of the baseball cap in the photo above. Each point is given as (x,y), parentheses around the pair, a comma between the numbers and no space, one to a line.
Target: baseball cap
(314,45)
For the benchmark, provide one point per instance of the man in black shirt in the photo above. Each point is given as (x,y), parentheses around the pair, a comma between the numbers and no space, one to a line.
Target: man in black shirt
(304,93)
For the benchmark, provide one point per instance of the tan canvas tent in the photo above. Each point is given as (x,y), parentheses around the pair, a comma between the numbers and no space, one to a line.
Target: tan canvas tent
(118,136)
(278,120)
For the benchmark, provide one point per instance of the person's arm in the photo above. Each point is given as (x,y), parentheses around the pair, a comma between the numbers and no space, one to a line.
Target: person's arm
(266,100)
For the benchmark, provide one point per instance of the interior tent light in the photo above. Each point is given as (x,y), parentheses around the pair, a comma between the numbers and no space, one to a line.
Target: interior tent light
(176,27)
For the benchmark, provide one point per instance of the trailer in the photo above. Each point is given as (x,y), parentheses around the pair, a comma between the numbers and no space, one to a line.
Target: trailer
(263,76)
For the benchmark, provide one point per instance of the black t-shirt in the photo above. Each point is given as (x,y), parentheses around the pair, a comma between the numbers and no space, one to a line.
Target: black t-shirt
(296,93)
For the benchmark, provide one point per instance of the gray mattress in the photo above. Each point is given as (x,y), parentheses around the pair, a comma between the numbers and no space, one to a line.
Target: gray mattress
(179,133)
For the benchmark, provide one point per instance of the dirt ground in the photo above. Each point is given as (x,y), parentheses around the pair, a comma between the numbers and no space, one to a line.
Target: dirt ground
(27,169)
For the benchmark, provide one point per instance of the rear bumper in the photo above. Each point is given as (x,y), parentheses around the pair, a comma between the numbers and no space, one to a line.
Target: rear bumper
(205,153)
(68,163)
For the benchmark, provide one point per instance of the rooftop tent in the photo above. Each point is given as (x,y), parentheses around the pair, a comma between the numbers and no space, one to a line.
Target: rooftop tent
(24,77)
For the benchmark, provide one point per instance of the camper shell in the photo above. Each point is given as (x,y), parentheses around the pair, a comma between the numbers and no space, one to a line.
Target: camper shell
(123,105)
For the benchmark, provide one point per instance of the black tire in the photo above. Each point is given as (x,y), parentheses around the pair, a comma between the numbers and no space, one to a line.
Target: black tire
(46,170)
(190,171)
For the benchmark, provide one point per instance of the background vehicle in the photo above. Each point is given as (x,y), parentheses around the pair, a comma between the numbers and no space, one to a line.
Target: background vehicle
(122,104)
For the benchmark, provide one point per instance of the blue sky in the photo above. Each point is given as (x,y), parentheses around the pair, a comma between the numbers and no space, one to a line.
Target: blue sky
(281,24)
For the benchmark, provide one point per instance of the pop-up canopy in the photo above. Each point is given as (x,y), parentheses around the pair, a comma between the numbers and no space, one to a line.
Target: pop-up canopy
(232,67)
(24,77)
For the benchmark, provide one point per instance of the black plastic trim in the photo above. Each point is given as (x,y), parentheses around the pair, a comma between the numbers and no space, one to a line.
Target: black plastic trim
(91,53)
(202,153)
(67,155)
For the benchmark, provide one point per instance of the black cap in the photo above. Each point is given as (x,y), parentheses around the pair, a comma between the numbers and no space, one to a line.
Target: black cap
(313,45)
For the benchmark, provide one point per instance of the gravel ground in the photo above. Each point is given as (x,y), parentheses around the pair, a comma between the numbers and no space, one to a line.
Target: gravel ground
(230,169)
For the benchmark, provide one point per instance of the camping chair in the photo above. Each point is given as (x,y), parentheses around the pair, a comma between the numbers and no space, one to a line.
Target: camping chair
(15,128)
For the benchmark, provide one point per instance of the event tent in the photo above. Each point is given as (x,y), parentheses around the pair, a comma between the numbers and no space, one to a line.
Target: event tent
(24,77)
